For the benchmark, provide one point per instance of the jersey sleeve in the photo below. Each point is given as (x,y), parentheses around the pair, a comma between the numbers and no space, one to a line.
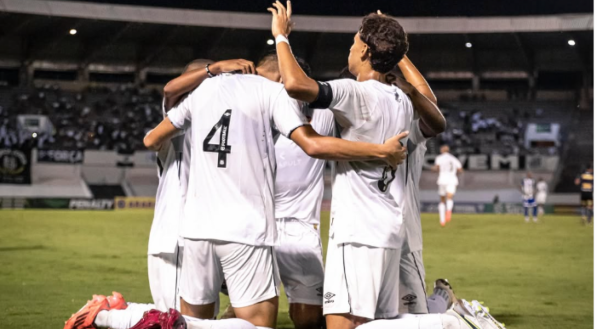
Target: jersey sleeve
(286,113)
(180,115)
(323,122)
(348,102)
(458,164)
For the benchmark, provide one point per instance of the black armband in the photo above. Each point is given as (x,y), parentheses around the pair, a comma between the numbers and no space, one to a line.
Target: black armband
(324,97)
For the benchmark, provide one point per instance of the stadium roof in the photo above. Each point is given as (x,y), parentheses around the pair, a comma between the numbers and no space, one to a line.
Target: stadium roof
(397,8)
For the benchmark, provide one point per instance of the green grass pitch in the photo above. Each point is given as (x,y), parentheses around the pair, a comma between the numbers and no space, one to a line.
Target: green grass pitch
(530,275)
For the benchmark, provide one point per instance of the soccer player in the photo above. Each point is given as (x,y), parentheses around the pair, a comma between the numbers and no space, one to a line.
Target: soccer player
(363,257)
(541,195)
(229,226)
(164,252)
(429,122)
(586,194)
(448,167)
(299,192)
(527,187)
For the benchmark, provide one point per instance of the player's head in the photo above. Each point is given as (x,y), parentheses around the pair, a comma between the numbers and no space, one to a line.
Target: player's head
(380,43)
(529,174)
(197,64)
(540,179)
(590,168)
(444,149)
(268,67)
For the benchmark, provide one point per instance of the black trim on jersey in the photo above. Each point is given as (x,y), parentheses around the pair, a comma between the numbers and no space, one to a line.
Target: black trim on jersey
(346,279)
(324,96)
(160,166)
(290,133)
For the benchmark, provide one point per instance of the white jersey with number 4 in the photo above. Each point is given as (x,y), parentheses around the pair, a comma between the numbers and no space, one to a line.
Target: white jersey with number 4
(299,177)
(363,210)
(231,183)
(448,169)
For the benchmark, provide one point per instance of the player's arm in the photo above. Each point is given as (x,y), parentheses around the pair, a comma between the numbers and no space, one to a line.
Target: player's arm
(296,82)
(435,168)
(179,118)
(178,87)
(331,148)
(160,135)
(424,101)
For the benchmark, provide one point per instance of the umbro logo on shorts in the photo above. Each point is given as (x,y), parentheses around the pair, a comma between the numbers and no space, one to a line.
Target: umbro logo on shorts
(409,299)
(328,296)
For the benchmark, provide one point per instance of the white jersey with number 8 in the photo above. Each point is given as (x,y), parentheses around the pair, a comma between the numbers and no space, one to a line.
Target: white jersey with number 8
(231,182)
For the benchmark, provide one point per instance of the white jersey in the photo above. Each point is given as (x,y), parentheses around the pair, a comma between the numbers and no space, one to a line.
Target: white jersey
(231,183)
(542,187)
(299,177)
(417,147)
(528,187)
(169,198)
(363,210)
(448,169)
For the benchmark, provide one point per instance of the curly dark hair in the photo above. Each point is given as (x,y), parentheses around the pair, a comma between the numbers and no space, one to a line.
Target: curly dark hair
(386,40)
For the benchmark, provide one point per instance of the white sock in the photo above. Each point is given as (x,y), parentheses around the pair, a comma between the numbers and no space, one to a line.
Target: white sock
(438,301)
(195,323)
(122,319)
(450,204)
(442,212)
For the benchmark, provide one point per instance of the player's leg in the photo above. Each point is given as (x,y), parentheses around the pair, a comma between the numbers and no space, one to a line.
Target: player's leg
(526,206)
(443,297)
(200,280)
(164,273)
(413,299)
(300,261)
(450,191)
(252,277)
(535,213)
(336,301)
(442,204)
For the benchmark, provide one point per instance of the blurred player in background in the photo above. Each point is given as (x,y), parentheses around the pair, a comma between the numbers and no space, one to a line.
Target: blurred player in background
(527,187)
(448,167)
(585,180)
(542,189)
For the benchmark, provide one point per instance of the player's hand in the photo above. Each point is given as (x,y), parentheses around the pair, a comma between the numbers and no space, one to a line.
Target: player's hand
(395,151)
(281,23)
(231,65)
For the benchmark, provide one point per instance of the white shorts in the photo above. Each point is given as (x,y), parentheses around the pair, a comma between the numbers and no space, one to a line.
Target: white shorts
(361,280)
(540,198)
(251,272)
(446,189)
(413,298)
(300,258)
(164,272)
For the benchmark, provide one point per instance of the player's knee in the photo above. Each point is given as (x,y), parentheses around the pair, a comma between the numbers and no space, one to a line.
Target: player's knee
(306,316)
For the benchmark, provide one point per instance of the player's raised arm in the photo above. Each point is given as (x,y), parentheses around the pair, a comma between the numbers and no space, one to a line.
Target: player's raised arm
(296,82)
(329,148)
(176,88)
(424,101)
(159,135)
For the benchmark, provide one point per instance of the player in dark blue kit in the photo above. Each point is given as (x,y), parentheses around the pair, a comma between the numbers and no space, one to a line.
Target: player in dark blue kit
(585,180)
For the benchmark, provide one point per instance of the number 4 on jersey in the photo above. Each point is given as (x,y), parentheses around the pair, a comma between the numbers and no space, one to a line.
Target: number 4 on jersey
(222,148)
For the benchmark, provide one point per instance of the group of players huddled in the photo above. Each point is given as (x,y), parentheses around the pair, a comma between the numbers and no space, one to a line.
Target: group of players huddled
(241,159)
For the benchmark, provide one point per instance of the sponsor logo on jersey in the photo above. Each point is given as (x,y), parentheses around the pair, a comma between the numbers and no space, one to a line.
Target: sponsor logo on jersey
(409,299)
(328,297)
